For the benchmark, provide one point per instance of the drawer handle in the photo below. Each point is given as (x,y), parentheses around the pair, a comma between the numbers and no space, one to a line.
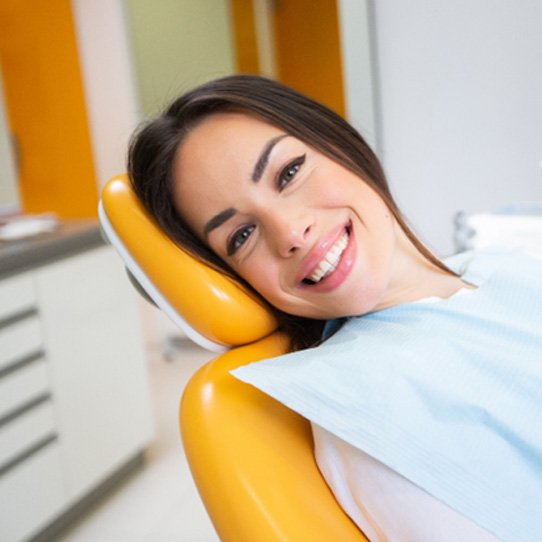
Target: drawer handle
(29,452)
(18,316)
(29,405)
(21,362)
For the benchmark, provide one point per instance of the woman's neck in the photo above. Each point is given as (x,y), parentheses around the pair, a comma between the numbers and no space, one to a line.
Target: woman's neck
(414,277)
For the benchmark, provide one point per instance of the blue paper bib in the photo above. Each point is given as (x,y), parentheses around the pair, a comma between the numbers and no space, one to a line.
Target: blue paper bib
(448,394)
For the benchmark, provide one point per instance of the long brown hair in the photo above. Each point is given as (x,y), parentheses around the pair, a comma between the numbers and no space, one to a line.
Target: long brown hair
(153,148)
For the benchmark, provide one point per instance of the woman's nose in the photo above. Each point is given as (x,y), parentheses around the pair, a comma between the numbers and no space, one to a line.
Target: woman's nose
(290,232)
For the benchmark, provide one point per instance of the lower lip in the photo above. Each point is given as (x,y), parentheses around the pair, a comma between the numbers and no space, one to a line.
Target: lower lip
(340,274)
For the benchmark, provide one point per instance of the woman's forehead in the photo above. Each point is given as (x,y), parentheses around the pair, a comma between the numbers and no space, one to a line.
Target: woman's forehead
(215,157)
(221,144)
(229,128)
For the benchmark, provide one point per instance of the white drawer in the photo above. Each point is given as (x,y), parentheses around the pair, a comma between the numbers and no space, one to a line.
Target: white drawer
(19,339)
(25,431)
(23,385)
(16,295)
(32,494)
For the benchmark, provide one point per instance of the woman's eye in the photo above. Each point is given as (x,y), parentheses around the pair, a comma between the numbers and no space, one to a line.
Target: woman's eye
(238,239)
(290,171)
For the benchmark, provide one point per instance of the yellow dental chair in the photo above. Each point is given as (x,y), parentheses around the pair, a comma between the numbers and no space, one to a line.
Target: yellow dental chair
(251,458)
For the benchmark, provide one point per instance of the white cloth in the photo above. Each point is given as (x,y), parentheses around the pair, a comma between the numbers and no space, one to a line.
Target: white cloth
(384,505)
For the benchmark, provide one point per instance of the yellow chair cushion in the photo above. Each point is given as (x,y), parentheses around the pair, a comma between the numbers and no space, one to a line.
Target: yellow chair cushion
(252,458)
(212,309)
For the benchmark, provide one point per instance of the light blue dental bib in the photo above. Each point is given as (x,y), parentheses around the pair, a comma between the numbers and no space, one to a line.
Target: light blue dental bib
(448,394)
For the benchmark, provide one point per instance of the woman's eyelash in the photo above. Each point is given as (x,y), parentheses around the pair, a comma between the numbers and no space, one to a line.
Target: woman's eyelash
(290,171)
(238,239)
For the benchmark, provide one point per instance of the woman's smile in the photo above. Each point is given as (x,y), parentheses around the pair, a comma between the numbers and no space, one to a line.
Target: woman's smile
(334,257)
(330,261)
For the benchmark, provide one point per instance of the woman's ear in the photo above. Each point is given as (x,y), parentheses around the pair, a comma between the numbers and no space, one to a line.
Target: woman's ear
(212,309)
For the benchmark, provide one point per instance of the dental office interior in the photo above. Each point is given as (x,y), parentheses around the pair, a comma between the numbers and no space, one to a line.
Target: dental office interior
(447,93)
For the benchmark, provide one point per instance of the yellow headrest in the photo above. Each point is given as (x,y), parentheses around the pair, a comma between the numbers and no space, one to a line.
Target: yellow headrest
(212,309)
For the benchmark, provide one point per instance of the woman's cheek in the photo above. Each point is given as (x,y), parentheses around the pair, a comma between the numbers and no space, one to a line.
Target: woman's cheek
(265,279)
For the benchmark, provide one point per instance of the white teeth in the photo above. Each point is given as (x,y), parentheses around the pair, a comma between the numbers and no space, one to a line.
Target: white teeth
(330,261)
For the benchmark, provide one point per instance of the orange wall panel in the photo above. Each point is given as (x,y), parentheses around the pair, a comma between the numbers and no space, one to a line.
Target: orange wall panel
(46,107)
(308,49)
(244,34)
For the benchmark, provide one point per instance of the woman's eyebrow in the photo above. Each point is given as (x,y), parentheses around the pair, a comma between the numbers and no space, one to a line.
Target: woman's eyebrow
(261,163)
(218,220)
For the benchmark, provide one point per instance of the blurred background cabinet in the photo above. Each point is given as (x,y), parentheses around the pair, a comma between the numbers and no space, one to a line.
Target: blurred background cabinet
(74,405)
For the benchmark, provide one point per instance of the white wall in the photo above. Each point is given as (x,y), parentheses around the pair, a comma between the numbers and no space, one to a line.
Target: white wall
(355,20)
(107,81)
(265,32)
(460,91)
(9,190)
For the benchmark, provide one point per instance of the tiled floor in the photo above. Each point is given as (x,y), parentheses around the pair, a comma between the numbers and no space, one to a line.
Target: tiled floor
(159,503)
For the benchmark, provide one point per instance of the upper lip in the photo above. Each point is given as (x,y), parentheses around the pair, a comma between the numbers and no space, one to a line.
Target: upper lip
(317,253)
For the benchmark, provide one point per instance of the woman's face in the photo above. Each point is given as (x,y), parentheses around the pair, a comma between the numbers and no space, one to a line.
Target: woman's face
(310,236)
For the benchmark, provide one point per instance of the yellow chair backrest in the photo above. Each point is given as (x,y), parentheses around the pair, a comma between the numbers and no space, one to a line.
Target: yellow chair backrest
(251,457)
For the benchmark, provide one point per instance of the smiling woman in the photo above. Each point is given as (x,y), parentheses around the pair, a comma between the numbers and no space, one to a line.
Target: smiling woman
(289,220)
(421,403)
(268,185)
